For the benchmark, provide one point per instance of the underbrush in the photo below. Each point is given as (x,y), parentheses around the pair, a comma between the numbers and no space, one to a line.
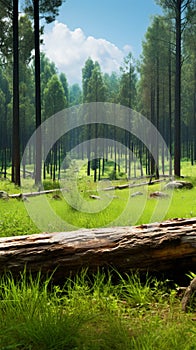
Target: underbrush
(93,313)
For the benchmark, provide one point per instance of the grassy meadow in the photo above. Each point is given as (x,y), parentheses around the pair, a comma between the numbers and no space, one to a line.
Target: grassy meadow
(123,210)
(74,209)
(105,311)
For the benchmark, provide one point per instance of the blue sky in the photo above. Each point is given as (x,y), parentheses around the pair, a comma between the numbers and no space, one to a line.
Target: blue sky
(106,30)
(119,21)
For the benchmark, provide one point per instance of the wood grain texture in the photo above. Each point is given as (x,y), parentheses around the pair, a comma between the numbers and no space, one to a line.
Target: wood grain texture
(157,247)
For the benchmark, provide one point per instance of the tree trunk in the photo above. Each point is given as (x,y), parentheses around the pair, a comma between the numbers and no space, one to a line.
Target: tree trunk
(38,164)
(194,109)
(16,132)
(177,119)
(168,248)
(153,150)
(170,110)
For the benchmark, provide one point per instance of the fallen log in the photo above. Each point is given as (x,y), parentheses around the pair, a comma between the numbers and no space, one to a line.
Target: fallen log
(32,194)
(128,185)
(164,247)
(179,185)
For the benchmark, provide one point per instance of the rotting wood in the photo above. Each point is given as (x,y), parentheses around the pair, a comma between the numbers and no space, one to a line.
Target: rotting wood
(158,194)
(33,194)
(164,247)
(179,185)
(133,185)
(190,290)
(116,187)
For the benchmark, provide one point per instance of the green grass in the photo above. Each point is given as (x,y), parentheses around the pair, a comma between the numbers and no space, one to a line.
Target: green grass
(14,219)
(125,210)
(9,187)
(116,208)
(92,313)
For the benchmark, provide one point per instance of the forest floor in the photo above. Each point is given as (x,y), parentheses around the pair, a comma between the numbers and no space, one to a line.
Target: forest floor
(106,311)
(89,206)
(94,314)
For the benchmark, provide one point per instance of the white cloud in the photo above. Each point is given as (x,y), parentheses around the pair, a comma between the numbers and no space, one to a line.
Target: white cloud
(70,49)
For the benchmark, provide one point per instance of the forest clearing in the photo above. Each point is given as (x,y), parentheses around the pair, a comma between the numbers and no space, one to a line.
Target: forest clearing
(97,175)
(179,203)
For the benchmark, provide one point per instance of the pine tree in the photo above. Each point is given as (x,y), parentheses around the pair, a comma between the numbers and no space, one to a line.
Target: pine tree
(64,83)
(54,101)
(178,9)
(49,9)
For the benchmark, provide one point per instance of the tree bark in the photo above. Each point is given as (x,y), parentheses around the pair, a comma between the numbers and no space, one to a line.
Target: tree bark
(177,119)
(16,121)
(190,290)
(32,194)
(38,162)
(167,248)
(124,186)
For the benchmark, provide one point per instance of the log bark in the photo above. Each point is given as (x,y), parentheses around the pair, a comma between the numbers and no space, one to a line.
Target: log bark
(124,186)
(164,247)
(33,194)
(190,290)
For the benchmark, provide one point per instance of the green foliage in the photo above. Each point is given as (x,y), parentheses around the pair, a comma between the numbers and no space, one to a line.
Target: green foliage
(128,80)
(86,75)
(112,85)
(96,88)
(95,163)
(54,97)
(191,275)
(48,9)
(75,95)
(113,175)
(6,29)
(48,69)
(50,185)
(26,39)
(93,82)
(64,83)
(151,92)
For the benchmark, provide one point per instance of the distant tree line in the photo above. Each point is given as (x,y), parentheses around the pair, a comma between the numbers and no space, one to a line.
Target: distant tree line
(161,86)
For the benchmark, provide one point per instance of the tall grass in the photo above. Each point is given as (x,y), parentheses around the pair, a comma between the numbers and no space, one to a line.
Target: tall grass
(92,312)
(32,317)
